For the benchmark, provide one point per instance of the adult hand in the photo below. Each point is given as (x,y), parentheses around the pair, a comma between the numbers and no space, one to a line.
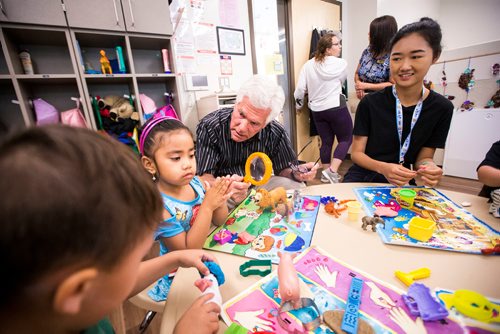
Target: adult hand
(311,168)
(201,317)
(360,85)
(238,188)
(398,174)
(429,174)
(217,194)
(194,258)
(360,93)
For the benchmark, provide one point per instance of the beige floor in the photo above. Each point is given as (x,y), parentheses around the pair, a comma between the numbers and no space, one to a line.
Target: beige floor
(134,315)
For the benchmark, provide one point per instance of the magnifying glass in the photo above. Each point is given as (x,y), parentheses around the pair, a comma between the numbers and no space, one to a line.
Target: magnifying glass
(258,169)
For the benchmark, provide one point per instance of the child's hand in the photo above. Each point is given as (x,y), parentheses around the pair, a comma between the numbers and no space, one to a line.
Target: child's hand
(188,258)
(200,318)
(217,194)
(398,174)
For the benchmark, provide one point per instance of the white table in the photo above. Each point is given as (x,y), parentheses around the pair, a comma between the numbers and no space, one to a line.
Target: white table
(362,249)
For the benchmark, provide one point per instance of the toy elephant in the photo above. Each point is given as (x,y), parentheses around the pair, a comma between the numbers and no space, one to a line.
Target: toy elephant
(373,221)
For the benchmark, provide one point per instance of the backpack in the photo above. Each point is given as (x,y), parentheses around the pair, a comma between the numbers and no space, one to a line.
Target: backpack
(45,112)
(74,117)
(148,105)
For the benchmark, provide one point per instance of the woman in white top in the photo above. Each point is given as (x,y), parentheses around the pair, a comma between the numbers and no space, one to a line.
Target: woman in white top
(321,78)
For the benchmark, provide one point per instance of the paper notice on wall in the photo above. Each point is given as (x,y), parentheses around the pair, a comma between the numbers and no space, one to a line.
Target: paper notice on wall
(274,64)
(229,13)
(226,65)
(205,37)
(186,64)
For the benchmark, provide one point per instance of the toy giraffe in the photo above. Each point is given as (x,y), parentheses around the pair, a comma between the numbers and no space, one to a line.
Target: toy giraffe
(105,65)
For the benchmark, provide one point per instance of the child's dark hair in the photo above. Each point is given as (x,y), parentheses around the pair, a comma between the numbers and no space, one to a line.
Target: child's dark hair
(382,29)
(147,133)
(71,197)
(428,29)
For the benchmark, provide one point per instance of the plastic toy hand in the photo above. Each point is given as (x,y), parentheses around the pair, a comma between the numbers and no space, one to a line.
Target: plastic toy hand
(397,174)
(329,278)
(251,319)
(217,194)
(404,321)
(379,297)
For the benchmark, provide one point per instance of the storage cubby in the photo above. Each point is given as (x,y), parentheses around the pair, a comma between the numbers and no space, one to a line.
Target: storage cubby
(4,70)
(90,45)
(58,93)
(11,117)
(156,88)
(49,50)
(147,55)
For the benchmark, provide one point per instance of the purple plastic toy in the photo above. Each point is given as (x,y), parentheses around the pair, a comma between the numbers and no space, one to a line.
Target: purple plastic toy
(420,302)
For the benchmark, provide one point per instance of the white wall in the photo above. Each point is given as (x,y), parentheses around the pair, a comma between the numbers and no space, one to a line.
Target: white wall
(408,11)
(466,22)
(197,32)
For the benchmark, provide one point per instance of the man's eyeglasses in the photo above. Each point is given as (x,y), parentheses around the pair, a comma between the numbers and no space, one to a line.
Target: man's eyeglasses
(295,165)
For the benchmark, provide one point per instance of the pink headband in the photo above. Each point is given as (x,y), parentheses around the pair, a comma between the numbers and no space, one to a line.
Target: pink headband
(149,127)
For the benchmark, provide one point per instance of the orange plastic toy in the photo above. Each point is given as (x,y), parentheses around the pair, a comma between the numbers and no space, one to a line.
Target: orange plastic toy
(105,65)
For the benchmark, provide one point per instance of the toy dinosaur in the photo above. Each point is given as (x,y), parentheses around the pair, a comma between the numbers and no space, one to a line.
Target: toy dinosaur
(105,64)
(373,221)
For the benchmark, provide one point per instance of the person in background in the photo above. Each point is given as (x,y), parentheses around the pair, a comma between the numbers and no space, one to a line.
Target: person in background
(78,220)
(398,129)
(321,78)
(226,137)
(488,172)
(189,207)
(373,72)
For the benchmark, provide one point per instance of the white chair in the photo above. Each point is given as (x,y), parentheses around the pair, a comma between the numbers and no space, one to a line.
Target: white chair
(145,302)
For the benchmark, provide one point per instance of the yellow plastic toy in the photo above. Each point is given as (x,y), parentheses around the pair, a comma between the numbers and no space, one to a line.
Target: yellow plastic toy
(258,169)
(473,305)
(408,278)
(421,228)
(105,65)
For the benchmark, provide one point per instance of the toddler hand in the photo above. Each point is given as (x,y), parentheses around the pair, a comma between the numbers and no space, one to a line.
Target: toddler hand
(189,258)
(217,194)
(398,174)
(201,317)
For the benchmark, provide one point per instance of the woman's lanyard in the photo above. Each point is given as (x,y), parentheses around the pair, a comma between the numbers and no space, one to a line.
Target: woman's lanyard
(403,147)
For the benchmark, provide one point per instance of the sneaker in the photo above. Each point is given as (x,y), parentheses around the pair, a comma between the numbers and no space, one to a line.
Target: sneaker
(328,176)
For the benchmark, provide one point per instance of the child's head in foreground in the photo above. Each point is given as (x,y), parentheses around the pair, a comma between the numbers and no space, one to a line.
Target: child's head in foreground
(78,215)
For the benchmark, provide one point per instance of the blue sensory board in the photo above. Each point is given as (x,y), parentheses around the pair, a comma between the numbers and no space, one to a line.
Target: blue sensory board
(456,229)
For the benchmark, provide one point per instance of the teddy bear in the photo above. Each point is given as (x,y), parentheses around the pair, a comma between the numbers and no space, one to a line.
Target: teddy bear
(270,199)
(119,108)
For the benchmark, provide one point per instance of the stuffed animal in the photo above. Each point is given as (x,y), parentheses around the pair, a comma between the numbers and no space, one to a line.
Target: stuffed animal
(119,108)
(268,200)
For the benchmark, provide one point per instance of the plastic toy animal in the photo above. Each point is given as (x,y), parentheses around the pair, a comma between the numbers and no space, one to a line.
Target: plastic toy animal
(288,280)
(105,65)
(268,200)
(373,221)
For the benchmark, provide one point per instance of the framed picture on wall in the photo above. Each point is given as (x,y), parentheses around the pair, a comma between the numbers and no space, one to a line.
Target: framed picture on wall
(231,41)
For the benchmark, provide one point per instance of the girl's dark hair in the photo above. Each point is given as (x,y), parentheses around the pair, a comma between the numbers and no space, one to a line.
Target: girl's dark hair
(428,29)
(166,126)
(382,29)
(325,42)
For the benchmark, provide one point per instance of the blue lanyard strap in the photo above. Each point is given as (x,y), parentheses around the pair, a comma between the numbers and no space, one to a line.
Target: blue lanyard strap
(403,147)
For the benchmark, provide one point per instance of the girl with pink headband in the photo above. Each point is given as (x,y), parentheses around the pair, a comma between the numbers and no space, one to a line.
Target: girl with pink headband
(167,149)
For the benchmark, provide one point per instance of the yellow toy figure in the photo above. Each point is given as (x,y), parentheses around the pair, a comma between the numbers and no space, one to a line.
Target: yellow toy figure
(105,65)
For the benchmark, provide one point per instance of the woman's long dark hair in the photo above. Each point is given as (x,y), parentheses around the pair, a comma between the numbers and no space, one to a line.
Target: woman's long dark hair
(382,29)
